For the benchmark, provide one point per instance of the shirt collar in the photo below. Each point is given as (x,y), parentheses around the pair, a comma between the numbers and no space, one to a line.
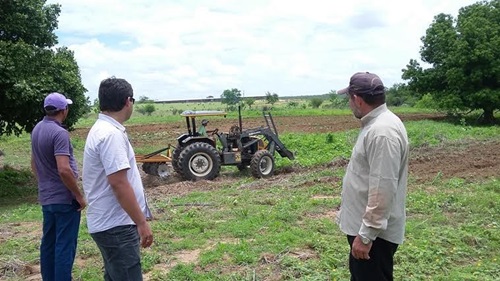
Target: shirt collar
(112,121)
(365,120)
(50,119)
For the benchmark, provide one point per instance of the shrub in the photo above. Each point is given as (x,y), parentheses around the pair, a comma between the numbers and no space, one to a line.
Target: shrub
(16,183)
(292,104)
(147,109)
(316,102)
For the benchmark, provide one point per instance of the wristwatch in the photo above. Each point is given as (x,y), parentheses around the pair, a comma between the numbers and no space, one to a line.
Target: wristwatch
(365,240)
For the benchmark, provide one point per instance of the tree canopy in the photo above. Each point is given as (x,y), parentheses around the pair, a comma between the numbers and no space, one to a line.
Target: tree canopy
(231,97)
(464,59)
(272,98)
(31,67)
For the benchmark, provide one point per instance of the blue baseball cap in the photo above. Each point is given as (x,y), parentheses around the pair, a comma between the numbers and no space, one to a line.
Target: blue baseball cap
(56,100)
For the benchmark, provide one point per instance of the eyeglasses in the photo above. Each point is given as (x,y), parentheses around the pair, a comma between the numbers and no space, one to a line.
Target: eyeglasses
(132,100)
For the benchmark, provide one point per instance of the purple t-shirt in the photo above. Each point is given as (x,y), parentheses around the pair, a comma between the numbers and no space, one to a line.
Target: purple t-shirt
(48,140)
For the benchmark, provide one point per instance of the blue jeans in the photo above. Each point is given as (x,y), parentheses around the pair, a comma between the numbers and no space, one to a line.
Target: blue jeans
(60,234)
(120,250)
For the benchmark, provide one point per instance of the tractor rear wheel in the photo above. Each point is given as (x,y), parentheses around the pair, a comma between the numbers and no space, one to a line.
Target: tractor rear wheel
(262,164)
(199,161)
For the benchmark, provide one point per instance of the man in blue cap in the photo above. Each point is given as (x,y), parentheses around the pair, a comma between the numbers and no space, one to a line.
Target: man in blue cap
(55,168)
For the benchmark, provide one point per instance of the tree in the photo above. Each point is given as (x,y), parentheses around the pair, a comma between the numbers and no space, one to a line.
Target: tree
(145,99)
(31,68)
(249,102)
(231,97)
(399,94)
(338,101)
(272,98)
(464,58)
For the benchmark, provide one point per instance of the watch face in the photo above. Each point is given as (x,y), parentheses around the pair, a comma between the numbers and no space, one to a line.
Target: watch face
(365,241)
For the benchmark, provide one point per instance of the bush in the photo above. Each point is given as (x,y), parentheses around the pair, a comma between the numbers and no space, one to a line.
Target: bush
(292,104)
(316,102)
(147,109)
(339,102)
(16,183)
(427,101)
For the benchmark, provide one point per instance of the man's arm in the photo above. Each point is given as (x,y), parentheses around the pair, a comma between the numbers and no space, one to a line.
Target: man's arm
(69,180)
(33,166)
(126,197)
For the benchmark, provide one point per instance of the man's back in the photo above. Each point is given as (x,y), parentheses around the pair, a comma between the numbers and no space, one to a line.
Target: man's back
(49,140)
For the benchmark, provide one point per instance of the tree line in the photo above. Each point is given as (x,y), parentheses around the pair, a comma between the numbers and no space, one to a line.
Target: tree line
(459,69)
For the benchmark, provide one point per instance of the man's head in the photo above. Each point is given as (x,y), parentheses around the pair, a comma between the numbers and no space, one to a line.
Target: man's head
(366,91)
(114,93)
(204,122)
(55,103)
(364,83)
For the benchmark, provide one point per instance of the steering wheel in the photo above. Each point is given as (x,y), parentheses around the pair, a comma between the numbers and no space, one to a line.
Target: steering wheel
(215,131)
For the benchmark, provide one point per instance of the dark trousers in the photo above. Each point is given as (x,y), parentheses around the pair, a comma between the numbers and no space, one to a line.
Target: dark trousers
(120,250)
(380,265)
(61,223)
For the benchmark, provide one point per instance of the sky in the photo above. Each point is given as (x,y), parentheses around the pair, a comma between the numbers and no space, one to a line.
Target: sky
(192,49)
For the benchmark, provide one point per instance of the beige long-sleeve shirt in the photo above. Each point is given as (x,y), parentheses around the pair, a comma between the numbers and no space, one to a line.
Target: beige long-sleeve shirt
(374,186)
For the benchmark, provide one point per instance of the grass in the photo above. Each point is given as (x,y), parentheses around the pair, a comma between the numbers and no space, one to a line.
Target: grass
(284,229)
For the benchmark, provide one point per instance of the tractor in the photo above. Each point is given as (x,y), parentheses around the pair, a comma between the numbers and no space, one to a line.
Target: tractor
(200,157)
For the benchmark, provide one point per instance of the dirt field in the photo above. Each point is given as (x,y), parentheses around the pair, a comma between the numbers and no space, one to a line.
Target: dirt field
(468,160)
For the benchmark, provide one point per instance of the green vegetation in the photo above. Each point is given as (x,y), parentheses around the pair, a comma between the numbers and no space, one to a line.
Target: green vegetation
(31,66)
(272,98)
(464,58)
(247,229)
(146,109)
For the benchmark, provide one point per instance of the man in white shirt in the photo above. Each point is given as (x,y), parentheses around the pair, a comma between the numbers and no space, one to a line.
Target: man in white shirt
(117,207)
(372,213)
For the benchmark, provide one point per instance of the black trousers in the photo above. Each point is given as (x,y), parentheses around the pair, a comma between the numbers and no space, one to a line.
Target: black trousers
(380,265)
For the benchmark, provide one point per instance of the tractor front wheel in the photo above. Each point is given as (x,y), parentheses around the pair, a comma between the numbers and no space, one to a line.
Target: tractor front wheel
(262,164)
(199,161)
(175,159)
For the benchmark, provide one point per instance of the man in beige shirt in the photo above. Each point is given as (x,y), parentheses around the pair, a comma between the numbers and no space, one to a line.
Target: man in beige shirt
(372,211)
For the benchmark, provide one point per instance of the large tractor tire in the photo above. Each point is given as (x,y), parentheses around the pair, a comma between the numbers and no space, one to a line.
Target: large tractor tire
(175,160)
(262,164)
(199,161)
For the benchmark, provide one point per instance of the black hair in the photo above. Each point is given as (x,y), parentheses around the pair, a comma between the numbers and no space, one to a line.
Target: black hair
(374,100)
(52,111)
(375,97)
(113,94)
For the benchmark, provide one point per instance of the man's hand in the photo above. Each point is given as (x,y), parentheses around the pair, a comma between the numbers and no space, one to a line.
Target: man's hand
(146,234)
(359,250)
(81,200)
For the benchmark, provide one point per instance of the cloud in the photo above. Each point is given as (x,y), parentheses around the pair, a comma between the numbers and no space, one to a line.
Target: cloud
(192,49)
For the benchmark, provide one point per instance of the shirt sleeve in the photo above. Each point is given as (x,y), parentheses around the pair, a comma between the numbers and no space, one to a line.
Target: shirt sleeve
(114,153)
(61,143)
(384,158)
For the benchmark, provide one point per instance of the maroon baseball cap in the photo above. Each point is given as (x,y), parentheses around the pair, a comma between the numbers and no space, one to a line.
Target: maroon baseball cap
(364,83)
(56,100)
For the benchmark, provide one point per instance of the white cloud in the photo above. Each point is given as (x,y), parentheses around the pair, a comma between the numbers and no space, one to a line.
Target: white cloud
(195,48)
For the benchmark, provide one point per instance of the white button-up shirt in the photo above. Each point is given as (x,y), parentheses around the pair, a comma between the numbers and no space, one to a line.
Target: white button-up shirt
(374,186)
(107,151)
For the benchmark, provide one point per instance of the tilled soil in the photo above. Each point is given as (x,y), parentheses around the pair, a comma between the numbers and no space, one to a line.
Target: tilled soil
(471,160)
